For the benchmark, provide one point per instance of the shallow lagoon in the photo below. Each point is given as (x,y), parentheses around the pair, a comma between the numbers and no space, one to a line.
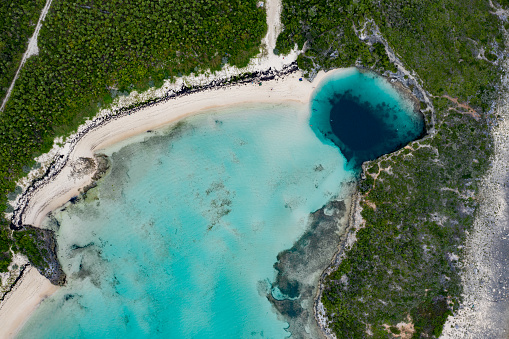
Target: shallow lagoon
(186,226)
(179,239)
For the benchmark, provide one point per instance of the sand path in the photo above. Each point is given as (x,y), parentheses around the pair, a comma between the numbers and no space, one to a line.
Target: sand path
(32,49)
(273,8)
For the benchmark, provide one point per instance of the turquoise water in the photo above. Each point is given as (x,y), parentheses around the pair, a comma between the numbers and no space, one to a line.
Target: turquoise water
(179,239)
(187,227)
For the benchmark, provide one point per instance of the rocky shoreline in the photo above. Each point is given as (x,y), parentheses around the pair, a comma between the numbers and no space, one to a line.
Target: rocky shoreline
(354,223)
(299,267)
(408,84)
(18,278)
(485,277)
(53,271)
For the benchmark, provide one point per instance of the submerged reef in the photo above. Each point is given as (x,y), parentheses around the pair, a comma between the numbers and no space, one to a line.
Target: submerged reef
(299,268)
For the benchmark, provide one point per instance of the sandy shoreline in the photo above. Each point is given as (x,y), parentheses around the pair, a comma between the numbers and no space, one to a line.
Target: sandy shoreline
(273,80)
(17,307)
(61,187)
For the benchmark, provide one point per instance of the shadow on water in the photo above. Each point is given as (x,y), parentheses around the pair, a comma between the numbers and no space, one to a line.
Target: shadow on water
(365,117)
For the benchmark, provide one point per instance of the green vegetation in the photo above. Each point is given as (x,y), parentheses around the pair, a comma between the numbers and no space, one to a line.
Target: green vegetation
(91,52)
(416,213)
(414,217)
(441,40)
(503,3)
(330,40)
(5,245)
(28,242)
(17,24)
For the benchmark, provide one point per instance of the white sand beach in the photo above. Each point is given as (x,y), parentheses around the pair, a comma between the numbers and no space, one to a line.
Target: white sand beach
(22,301)
(32,288)
(66,185)
(64,182)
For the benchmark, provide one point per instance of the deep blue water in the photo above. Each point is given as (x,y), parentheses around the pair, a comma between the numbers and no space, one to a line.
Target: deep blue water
(364,115)
(179,239)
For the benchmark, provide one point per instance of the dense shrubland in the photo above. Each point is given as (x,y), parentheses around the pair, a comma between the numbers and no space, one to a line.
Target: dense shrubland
(441,40)
(329,40)
(503,3)
(416,209)
(17,23)
(28,243)
(91,51)
(419,206)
